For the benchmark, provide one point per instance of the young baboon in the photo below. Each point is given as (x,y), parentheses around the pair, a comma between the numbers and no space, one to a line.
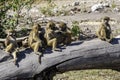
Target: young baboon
(34,41)
(66,33)
(50,36)
(104,32)
(11,45)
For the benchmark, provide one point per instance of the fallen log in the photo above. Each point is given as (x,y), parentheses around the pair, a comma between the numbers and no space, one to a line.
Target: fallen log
(93,54)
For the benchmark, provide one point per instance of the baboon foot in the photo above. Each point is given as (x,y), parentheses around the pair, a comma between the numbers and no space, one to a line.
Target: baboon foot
(57,49)
(15,61)
(109,40)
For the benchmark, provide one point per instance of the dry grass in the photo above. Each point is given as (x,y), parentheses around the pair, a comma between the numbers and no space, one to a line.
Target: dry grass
(95,74)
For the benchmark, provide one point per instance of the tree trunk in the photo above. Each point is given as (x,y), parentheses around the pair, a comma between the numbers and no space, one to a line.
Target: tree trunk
(92,54)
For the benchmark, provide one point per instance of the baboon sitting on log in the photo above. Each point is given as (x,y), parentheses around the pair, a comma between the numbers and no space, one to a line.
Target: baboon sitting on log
(50,36)
(66,33)
(11,44)
(104,32)
(34,41)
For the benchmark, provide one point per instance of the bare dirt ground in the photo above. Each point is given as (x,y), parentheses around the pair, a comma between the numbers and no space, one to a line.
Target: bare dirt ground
(87,20)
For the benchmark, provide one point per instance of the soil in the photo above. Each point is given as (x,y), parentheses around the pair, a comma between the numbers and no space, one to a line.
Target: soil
(86,19)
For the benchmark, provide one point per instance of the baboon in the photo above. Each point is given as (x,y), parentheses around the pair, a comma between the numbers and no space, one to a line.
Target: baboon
(41,32)
(11,45)
(41,36)
(104,32)
(51,25)
(50,36)
(66,33)
(34,41)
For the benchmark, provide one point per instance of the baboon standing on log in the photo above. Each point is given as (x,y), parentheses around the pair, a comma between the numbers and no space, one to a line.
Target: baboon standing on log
(11,44)
(104,32)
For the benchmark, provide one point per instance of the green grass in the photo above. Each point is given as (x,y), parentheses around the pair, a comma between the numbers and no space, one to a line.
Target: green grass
(95,74)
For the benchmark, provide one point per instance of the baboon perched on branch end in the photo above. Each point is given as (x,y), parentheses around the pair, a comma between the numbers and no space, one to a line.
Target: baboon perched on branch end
(105,32)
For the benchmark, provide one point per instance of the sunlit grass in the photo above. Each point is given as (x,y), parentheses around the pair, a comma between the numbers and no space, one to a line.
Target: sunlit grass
(95,74)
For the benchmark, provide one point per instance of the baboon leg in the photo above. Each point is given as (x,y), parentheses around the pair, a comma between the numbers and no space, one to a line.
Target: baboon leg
(14,54)
(110,37)
(68,39)
(35,46)
(52,43)
(102,35)
(9,47)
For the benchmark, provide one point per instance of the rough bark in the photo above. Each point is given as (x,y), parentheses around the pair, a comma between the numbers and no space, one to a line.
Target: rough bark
(18,39)
(79,55)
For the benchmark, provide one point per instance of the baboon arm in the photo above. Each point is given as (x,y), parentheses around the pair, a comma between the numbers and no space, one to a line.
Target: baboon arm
(7,41)
(103,34)
(110,29)
(16,42)
(99,30)
(30,39)
(47,36)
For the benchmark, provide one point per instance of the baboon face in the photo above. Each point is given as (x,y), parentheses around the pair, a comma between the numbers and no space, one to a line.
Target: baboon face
(51,25)
(62,26)
(106,19)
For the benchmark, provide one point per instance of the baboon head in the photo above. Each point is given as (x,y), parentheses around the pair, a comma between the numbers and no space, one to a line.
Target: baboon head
(51,25)
(106,19)
(35,27)
(62,26)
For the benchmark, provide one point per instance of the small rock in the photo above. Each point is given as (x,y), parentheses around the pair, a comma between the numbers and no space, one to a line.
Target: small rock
(1,46)
(34,12)
(55,10)
(24,11)
(11,13)
(72,12)
(78,10)
(98,7)
(116,9)
(75,4)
